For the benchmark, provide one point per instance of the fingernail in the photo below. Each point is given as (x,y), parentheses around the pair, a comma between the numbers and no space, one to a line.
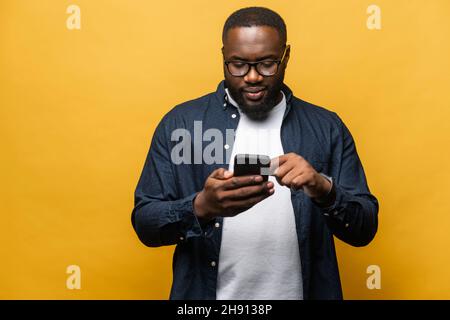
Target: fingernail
(271,191)
(269,185)
(258,178)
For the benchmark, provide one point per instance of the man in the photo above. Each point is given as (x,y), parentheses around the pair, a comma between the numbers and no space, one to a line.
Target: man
(241,237)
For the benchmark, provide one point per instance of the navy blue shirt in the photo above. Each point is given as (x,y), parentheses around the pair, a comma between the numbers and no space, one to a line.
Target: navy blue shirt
(163,211)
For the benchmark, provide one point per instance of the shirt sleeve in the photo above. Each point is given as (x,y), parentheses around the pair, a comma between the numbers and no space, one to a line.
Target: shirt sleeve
(353,217)
(160,217)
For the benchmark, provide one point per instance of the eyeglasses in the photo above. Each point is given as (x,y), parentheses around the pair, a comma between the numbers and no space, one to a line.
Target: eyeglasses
(266,68)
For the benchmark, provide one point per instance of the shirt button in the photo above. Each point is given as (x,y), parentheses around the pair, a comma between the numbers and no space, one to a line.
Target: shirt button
(181,238)
(233,115)
(213,263)
(326,214)
(226,147)
(346,225)
(217,225)
(335,213)
(225,104)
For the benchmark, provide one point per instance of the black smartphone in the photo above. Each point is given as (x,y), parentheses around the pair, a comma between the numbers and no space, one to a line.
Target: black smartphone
(252,164)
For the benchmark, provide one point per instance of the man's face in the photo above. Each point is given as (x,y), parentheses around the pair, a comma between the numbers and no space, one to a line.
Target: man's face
(255,94)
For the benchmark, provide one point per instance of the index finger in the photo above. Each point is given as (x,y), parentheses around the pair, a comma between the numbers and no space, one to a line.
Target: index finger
(242,181)
(276,162)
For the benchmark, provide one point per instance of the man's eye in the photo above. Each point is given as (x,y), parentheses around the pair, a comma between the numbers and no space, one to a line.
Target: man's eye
(267,64)
(238,64)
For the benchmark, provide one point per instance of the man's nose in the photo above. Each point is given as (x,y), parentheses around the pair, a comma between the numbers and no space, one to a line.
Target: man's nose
(253,76)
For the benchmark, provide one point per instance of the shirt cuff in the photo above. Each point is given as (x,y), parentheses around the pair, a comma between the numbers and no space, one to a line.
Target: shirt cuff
(336,210)
(182,212)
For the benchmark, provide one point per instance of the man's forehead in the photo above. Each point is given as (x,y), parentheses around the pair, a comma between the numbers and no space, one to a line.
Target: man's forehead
(254,39)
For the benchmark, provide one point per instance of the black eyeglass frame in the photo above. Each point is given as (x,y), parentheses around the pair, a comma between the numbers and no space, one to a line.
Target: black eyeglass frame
(255,64)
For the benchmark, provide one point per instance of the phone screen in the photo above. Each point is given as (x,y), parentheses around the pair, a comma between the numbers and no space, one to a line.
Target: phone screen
(252,164)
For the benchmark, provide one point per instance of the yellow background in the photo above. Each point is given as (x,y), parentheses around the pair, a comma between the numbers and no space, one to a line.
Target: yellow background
(78,109)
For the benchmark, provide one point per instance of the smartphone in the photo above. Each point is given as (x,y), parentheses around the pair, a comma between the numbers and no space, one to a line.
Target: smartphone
(252,164)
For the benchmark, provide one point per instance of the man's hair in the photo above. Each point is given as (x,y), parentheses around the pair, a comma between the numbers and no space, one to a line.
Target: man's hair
(255,16)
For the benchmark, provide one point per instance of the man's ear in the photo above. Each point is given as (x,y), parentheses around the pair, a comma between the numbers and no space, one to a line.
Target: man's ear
(288,54)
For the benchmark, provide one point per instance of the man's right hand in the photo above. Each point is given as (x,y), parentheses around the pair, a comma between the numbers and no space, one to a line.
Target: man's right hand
(227,196)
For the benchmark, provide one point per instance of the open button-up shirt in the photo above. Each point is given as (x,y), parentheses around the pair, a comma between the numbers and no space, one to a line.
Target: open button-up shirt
(163,213)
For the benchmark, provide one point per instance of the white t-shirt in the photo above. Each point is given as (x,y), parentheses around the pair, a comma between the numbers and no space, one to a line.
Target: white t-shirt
(259,255)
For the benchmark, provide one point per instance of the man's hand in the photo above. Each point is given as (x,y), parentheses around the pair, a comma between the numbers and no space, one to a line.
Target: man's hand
(227,196)
(294,172)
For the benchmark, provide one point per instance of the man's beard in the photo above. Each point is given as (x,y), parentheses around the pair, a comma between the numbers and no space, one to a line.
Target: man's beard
(260,111)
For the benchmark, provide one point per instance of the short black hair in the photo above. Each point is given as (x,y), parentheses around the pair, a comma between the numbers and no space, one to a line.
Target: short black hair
(255,16)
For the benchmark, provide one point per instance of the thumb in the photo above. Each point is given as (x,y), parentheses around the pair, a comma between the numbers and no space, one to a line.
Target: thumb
(221,174)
